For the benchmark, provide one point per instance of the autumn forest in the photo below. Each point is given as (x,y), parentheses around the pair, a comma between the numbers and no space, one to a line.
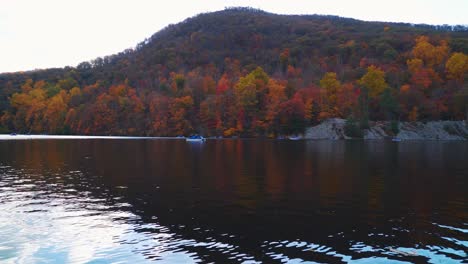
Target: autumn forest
(245,72)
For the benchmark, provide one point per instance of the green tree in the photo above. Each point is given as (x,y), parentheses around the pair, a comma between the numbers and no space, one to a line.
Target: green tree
(388,104)
(363,111)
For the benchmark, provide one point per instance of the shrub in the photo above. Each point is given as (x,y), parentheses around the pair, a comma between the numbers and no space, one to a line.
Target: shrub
(394,127)
(352,129)
(3,130)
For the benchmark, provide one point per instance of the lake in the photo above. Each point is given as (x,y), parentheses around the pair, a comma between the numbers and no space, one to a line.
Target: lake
(117,200)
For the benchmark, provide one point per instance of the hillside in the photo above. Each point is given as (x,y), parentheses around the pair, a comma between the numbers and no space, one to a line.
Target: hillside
(246,72)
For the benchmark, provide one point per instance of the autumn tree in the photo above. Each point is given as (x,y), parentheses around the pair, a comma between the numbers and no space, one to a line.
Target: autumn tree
(159,109)
(347,100)
(250,94)
(208,116)
(332,87)
(457,66)
(420,76)
(223,84)
(55,113)
(430,54)
(276,96)
(104,115)
(180,120)
(292,116)
(373,81)
(28,107)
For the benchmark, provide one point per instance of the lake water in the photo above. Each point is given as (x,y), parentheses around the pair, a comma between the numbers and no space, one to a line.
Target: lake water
(227,201)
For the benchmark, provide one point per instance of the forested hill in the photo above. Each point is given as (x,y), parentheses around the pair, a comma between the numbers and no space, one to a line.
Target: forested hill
(246,72)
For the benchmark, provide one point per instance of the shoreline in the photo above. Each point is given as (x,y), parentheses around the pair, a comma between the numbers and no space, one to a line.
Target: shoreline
(330,129)
(71,137)
(32,137)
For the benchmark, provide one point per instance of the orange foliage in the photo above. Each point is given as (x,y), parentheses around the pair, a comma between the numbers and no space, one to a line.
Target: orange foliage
(413,115)
(240,101)
(405,88)
(430,54)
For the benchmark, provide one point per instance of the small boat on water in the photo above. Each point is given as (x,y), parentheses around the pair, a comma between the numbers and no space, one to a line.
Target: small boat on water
(195,138)
(395,139)
(294,137)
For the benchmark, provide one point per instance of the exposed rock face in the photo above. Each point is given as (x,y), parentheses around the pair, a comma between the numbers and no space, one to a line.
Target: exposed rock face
(434,130)
(329,129)
(376,131)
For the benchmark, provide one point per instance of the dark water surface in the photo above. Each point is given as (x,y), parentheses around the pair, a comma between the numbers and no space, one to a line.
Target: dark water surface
(228,201)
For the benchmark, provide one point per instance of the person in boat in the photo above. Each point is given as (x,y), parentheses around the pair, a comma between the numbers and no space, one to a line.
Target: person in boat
(196,138)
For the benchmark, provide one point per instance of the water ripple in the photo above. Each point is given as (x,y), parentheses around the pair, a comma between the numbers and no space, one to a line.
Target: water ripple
(254,212)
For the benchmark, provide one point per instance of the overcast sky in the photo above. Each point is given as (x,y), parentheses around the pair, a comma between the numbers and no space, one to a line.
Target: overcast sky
(38,34)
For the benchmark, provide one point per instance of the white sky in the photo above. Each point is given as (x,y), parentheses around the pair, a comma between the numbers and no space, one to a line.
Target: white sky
(38,34)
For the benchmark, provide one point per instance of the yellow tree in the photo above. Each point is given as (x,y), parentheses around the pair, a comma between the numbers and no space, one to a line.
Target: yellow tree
(29,107)
(36,110)
(414,65)
(247,87)
(55,113)
(331,86)
(430,54)
(457,66)
(373,81)
(20,103)
(250,92)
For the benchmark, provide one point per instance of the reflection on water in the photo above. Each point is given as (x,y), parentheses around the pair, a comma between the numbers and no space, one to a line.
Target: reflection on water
(136,201)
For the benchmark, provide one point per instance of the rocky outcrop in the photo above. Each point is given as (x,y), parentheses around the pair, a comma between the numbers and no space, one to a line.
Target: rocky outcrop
(332,128)
(376,131)
(433,130)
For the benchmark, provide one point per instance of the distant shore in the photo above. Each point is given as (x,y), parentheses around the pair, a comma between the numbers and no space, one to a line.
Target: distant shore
(26,137)
(330,129)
